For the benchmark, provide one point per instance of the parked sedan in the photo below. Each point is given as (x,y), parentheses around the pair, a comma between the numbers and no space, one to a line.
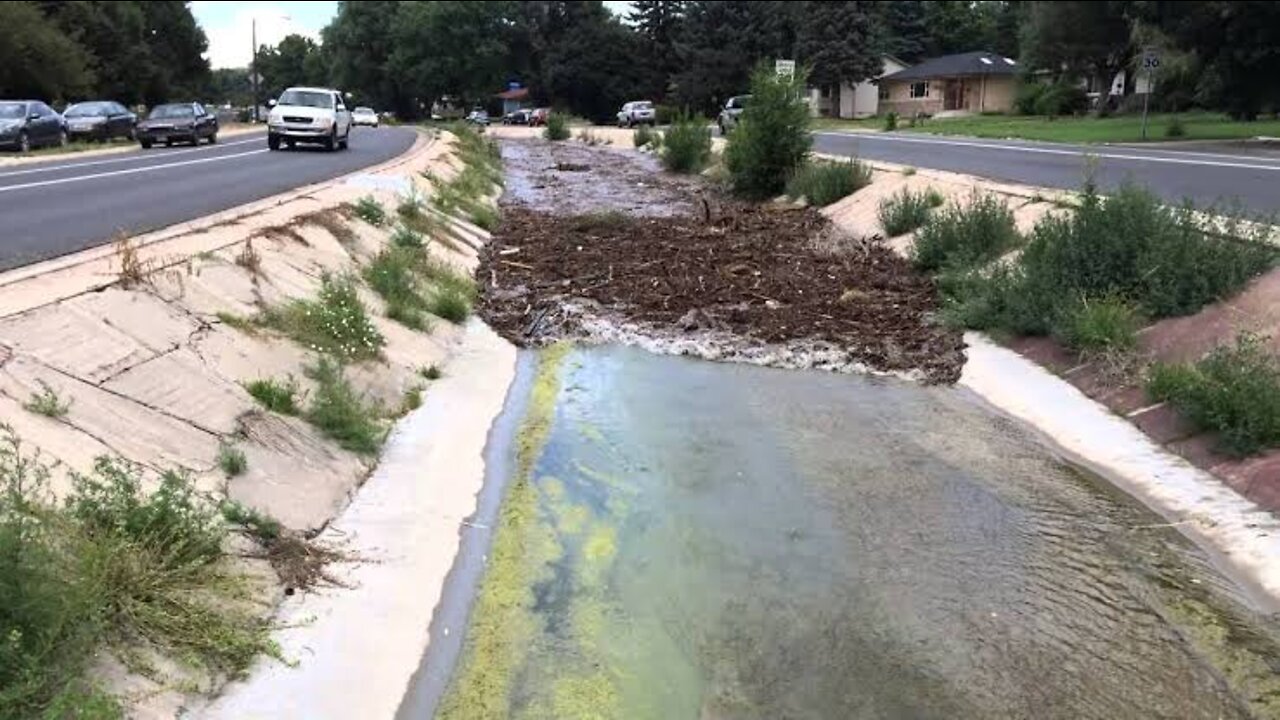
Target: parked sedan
(640,112)
(516,117)
(99,120)
(178,122)
(539,116)
(27,124)
(477,117)
(728,118)
(364,116)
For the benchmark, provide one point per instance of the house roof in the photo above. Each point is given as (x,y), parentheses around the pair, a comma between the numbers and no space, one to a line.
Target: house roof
(970,63)
(514,94)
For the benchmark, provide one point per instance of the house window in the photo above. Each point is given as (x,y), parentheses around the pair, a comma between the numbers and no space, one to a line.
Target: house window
(919,90)
(884,92)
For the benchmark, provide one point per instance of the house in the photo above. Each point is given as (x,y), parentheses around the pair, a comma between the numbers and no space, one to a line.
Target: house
(856,101)
(513,98)
(967,82)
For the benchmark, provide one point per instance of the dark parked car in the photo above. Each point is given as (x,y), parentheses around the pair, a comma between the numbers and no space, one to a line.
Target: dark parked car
(517,117)
(178,122)
(99,120)
(27,124)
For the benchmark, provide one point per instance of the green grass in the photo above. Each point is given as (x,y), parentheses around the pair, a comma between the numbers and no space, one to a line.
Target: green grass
(335,323)
(47,402)
(906,210)
(411,401)
(1114,129)
(232,460)
(340,413)
(371,211)
(114,568)
(1104,325)
(1234,391)
(644,135)
(407,237)
(965,234)
(276,396)
(827,123)
(260,526)
(412,283)
(467,194)
(822,183)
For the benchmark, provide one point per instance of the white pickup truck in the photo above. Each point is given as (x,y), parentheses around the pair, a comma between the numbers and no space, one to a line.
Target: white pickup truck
(309,115)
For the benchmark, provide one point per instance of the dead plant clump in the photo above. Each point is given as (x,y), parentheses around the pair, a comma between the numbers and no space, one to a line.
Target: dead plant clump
(249,259)
(334,221)
(303,564)
(135,272)
(751,271)
(285,234)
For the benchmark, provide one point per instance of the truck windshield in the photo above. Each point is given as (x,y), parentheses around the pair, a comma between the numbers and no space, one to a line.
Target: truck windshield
(306,98)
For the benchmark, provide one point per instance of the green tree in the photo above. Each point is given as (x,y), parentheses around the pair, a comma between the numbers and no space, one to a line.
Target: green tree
(229,85)
(838,44)
(455,49)
(1082,39)
(175,43)
(38,60)
(772,139)
(658,22)
(296,60)
(903,30)
(113,37)
(589,61)
(359,43)
(1237,45)
(956,26)
(722,41)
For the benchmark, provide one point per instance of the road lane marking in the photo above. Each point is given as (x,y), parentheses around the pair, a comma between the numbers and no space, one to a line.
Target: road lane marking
(54,166)
(130,171)
(1055,151)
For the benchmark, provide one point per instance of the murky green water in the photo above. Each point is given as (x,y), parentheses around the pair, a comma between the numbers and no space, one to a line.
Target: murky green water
(698,540)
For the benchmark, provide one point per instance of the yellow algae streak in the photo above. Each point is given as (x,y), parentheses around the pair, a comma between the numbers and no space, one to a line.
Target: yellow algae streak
(503,625)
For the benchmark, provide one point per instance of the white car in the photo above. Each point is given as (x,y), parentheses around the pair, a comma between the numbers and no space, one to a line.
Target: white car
(640,112)
(309,115)
(364,116)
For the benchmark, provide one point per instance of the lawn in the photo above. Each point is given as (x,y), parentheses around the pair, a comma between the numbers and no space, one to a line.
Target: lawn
(1118,129)
(71,147)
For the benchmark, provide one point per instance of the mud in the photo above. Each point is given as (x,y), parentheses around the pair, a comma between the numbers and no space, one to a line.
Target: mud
(667,264)
(571,178)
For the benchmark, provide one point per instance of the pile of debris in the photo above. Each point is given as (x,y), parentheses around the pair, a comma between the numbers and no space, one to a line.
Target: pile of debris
(758,283)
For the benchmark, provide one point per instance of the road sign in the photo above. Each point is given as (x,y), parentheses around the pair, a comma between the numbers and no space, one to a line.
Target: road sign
(785,68)
(1150,58)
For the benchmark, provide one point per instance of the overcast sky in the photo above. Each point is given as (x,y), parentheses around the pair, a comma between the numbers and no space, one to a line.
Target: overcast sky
(229,25)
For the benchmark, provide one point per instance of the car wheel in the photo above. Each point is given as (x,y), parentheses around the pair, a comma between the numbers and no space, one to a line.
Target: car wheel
(132,135)
(24,142)
(290,144)
(168,143)
(343,143)
(146,144)
(213,139)
(62,138)
(273,142)
(331,142)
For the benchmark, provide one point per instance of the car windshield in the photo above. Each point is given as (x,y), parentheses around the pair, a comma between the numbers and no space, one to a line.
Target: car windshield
(13,111)
(89,109)
(172,111)
(306,98)
(644,106)
(364,110)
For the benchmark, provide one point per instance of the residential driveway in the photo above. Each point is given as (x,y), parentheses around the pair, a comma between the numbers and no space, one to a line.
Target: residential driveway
(1211,173)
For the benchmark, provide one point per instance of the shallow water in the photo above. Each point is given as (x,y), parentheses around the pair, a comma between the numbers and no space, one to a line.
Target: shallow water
(700,540)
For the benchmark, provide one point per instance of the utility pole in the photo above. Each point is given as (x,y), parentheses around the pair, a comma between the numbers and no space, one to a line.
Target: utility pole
(253,65)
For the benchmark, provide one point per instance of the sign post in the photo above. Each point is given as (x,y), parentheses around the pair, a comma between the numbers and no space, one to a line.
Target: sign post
(785,68)
(1150,62)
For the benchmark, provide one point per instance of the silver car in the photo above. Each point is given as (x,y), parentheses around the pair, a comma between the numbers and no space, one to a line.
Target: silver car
(732,110)
(640,112)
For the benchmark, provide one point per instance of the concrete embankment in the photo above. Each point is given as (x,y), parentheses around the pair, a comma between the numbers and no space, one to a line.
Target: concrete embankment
(150,345)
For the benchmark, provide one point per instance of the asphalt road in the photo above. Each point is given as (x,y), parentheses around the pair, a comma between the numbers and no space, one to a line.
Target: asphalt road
(1228,174)
(57,207)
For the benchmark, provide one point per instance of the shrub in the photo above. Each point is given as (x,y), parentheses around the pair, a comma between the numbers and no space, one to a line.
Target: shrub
(1167,261)
(371,211)
(232,460)
(46,402)
(1108,324)
(557,127)
(335,323)
(410,206)
(450,303)
(1028,98)
(907,210)
(665,114)
(406,237)
(412,284)
(261,526)
(890,121)
(823,183)
(642,136)
(966,234)
(1234,391)
(1062,98)
(340,413)
(772,137)
(1175,128)
(431,372)
(687,145)
(280,397)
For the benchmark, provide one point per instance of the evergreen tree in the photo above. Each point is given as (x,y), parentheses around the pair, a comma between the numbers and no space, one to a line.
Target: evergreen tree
(902,27)
(837,43)
(658,22)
